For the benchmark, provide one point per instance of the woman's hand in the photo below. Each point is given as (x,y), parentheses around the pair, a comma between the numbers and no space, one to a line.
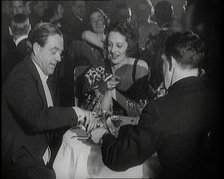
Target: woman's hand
(108,84)
(97,134)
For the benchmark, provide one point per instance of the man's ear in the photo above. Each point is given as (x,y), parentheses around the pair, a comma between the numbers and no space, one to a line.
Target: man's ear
(36,48)
(172,63)
(29,28)
(10,31)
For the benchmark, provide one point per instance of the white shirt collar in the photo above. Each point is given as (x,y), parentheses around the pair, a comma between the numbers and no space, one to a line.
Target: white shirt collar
(42,75)
(20,39)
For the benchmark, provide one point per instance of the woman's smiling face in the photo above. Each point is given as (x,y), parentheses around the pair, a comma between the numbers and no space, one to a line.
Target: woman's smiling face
(117,46)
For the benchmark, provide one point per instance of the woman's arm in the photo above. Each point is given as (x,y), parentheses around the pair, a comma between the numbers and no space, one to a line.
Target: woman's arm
(93,39)
(133,107)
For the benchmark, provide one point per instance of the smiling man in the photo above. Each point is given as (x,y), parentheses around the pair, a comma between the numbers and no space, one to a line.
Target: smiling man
(29,118)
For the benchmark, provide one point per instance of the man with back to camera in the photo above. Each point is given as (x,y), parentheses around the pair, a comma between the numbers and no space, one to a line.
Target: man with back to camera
(19,30)
(175,125)
(28,113)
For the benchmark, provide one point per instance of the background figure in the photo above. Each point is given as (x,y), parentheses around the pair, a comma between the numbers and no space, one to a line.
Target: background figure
(27,5)
(37,12)
(96,37)
(146,28)
(6,19)
(205,19)
(121,13)
(15,7)
(30,120)
(54,13)
(164,14)
(76,20)
(169,126)
(19,30)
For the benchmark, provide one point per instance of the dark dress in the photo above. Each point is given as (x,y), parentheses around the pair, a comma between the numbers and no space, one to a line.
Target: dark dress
(135,92)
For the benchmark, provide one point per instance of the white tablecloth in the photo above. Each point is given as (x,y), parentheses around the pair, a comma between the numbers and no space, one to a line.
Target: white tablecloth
(82,159)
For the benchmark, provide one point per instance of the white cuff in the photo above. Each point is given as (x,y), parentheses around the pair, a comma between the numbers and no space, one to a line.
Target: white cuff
(79,113)
(114,94)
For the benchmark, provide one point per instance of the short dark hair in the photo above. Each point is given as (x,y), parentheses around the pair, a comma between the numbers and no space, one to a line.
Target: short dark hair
(20,25)
(130,36)
(186,47)
(41,32)
(164,11)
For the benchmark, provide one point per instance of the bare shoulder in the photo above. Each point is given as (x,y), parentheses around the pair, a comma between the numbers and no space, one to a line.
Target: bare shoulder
(142,64)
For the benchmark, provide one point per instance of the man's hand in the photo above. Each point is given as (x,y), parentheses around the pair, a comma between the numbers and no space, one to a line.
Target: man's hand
(89,121)
(97,134)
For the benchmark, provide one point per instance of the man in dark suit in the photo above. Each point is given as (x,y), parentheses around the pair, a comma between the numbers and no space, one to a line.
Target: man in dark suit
(19,30)
(15,7)
(77,22)
(175,126)
(28,113)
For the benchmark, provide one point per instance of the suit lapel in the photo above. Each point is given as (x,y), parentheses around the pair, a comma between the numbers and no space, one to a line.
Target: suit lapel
(32,68)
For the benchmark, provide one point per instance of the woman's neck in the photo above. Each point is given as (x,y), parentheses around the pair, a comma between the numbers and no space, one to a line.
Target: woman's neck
(115,67)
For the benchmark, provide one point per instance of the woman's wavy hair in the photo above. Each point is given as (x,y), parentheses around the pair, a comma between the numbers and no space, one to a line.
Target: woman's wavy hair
(186,47)
(130,36)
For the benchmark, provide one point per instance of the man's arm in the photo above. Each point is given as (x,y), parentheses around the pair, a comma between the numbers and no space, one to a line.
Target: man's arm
(134,144)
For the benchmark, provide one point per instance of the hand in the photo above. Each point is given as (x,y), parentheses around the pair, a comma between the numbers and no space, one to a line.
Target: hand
(97,134)
(89,121)
(113,82)
(109,84)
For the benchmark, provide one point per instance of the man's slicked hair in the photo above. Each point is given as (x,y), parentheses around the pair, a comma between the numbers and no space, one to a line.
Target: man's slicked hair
(41,32)
(20,25)
(186,47)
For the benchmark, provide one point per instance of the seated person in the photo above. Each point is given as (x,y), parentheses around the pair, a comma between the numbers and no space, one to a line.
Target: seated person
(175,125)
(130,84)
(30,118)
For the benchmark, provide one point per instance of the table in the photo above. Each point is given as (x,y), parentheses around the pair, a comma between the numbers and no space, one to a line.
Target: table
(77,159)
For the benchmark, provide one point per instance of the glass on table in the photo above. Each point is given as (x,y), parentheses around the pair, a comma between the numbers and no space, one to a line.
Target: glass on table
(103,116)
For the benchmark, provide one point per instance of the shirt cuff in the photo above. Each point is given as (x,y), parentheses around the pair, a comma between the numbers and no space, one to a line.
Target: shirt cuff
(79,113)
(114,94)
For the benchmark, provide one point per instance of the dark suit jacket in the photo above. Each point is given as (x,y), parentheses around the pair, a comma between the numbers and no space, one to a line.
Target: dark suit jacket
(12,57)
(26,119)
(76,27)
(173,126)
